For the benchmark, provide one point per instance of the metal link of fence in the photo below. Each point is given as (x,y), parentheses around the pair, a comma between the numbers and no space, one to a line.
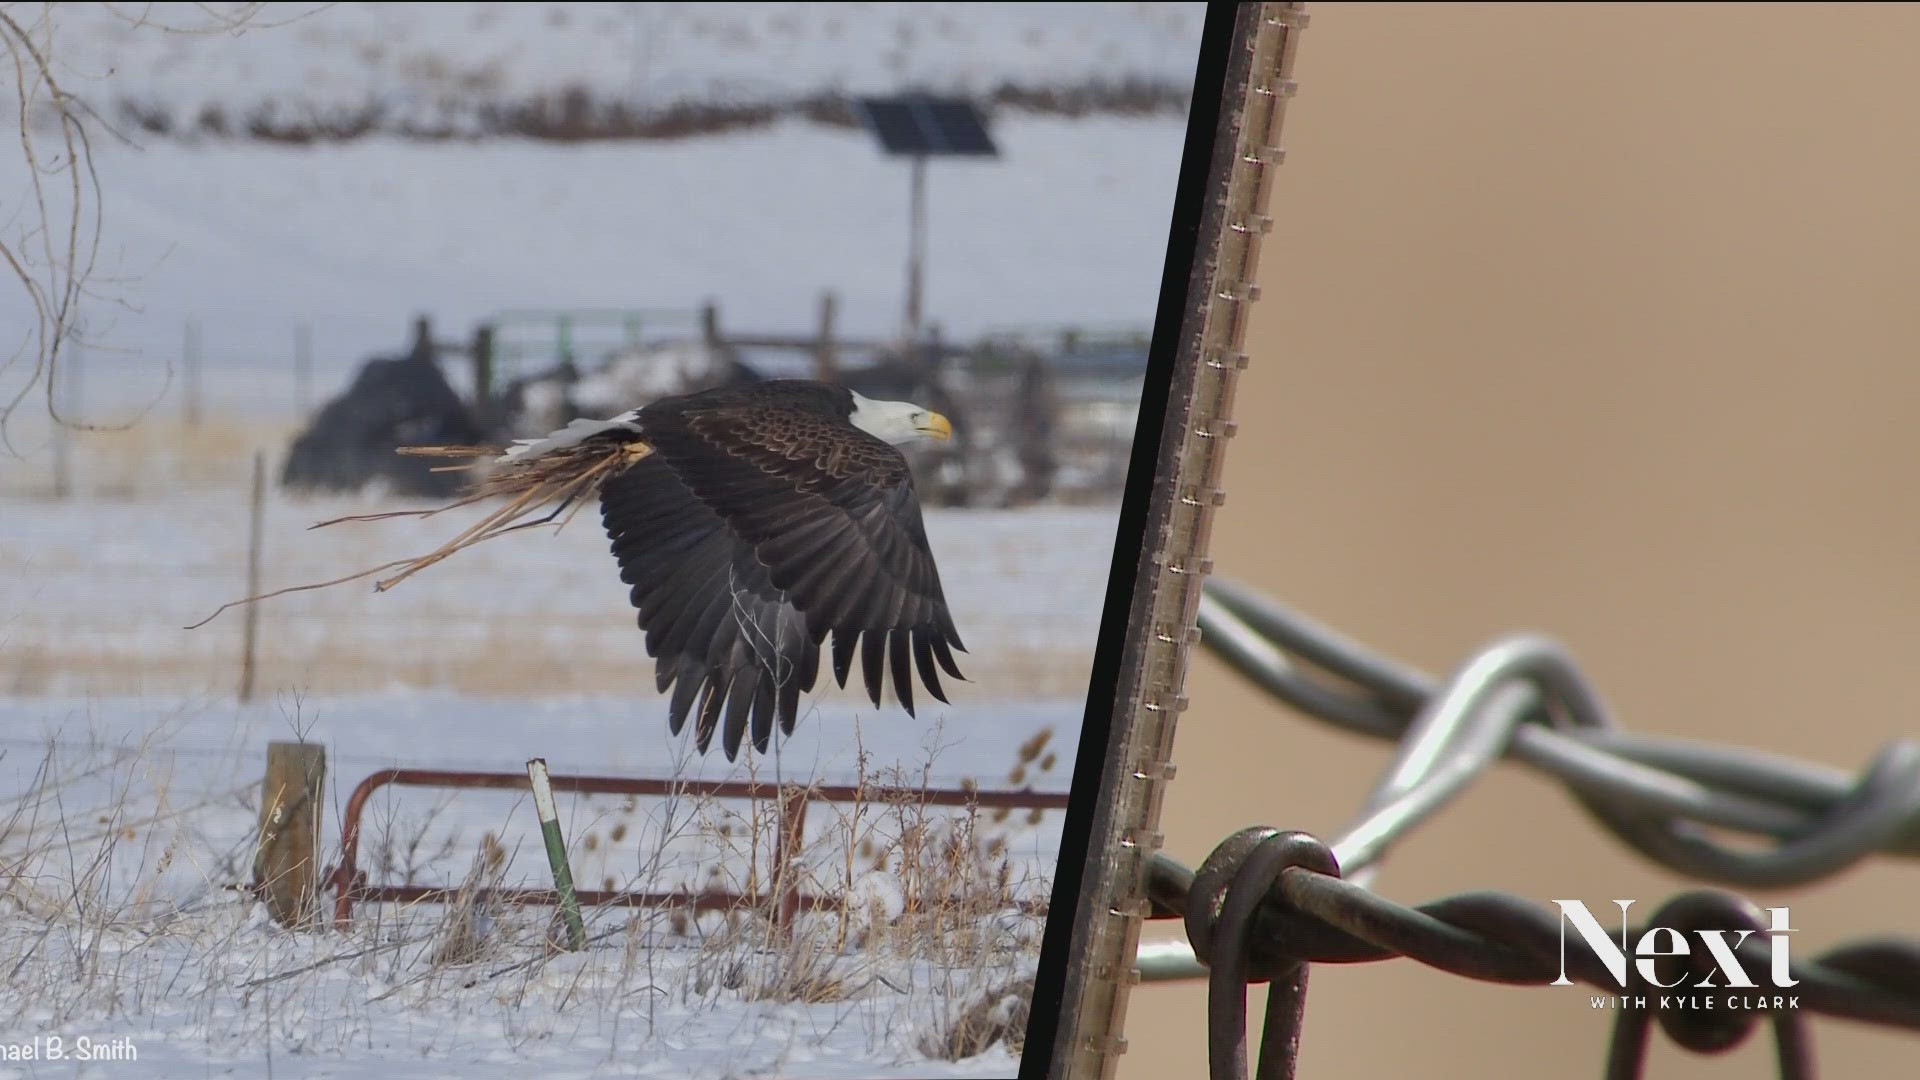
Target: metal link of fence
(1267,904)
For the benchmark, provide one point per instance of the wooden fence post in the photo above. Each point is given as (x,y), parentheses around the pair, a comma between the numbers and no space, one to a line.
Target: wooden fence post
(286,865)
(787,846)
(190,369)
(250,628)
(481,354)
(710,324)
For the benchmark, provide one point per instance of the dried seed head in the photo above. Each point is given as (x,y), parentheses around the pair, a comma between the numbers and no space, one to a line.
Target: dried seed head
(1032,747)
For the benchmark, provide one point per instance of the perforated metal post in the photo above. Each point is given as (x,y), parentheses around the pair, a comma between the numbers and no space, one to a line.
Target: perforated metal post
(1187,475)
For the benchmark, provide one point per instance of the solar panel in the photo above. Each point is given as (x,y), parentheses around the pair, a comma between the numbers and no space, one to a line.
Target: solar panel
(922,125)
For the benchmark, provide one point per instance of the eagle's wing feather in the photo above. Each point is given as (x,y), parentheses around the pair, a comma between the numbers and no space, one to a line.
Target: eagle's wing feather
(723,636)
(831,513)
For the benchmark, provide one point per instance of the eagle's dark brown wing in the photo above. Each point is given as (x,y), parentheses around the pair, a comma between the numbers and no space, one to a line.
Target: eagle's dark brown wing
(831,514)
(717,627)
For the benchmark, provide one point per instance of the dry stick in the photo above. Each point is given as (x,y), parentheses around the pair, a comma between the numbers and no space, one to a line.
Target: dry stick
(472,535)
(503,521)
(432,556)
(298,588)
(529,492)
(386,514)
(334,959)
(538,958)
(497,522)
(449,451)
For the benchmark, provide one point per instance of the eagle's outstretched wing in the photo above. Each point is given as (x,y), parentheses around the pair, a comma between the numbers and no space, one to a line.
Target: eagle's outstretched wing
(718,629)
(749,535)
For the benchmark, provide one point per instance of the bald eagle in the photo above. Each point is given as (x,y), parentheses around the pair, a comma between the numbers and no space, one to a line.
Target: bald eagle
(753,524)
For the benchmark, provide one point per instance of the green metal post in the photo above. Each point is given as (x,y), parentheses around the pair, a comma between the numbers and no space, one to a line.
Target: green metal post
(557,853)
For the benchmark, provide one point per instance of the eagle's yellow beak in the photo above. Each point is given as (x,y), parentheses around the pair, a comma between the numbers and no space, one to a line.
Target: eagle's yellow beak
(935,426)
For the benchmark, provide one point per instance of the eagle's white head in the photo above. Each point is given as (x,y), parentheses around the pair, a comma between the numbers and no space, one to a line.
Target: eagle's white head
(898,422)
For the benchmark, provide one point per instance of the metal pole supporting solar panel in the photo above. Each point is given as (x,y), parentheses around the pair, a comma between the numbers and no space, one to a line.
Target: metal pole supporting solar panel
(919,126)
(916,246)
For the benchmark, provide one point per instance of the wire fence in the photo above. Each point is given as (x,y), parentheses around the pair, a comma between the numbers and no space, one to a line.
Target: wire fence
(99,587)
(170,434)
(1268,903)
(1041,413)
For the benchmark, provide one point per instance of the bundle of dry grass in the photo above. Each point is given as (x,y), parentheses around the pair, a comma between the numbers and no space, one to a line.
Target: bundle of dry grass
(559,480)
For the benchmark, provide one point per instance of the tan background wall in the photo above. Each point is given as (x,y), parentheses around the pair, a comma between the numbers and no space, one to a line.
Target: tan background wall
(1601,322)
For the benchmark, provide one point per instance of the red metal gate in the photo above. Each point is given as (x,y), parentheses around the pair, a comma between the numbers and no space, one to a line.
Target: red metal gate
(350,884)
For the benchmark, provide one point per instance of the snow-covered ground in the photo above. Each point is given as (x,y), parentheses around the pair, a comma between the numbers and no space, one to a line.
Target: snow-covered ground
(154,800)
(160,951)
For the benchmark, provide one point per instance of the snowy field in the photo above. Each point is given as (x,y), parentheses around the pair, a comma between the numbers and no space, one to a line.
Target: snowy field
(97,590)
(129,775)
(149,816)
(434,62)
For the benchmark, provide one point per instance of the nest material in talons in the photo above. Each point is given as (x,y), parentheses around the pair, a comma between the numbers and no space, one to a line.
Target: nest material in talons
(559,481)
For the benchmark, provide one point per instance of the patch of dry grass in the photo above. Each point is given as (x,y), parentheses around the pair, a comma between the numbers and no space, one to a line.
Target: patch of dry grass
(158,454)
(919,908)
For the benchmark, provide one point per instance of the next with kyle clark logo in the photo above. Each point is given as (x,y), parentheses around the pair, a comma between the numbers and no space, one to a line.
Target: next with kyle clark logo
(1693,968)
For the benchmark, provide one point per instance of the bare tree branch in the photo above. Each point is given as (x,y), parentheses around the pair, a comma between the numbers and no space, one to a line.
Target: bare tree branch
(50,237)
